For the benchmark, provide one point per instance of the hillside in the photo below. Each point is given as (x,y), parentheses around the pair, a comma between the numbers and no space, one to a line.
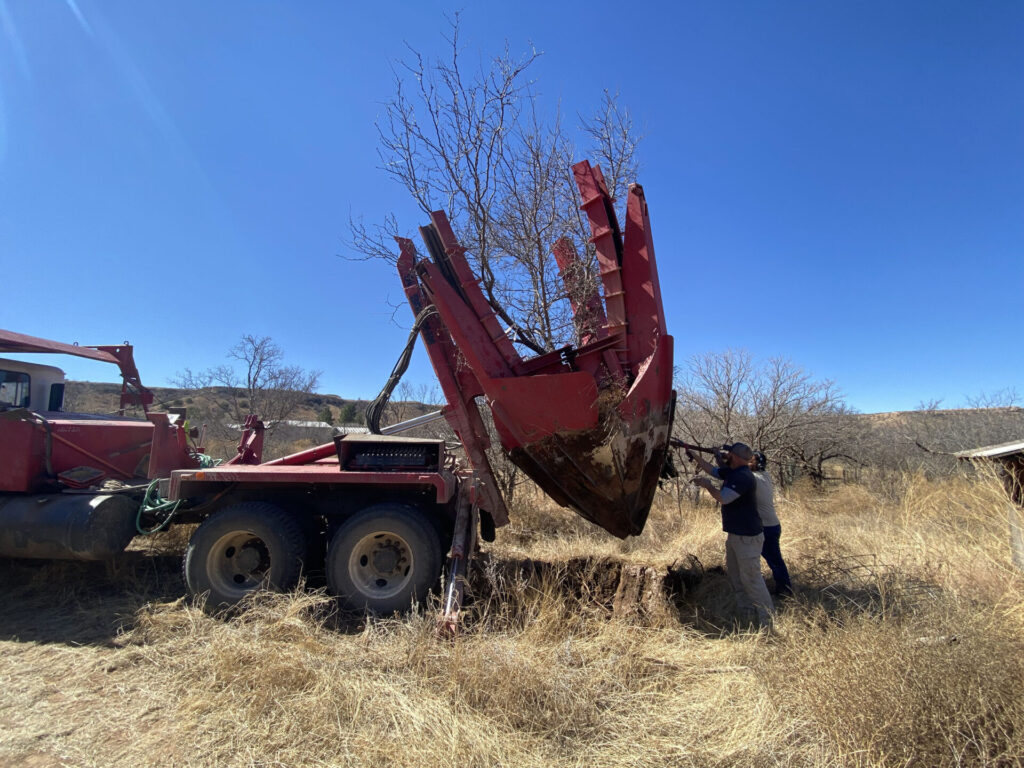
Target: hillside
(946,420)
(950,430)
(102,397)
(221,411)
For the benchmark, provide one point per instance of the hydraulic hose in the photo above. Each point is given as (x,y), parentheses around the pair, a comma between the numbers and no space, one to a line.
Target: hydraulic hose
(375,410)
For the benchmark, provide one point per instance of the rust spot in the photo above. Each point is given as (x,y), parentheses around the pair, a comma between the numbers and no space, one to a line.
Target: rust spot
(608,475)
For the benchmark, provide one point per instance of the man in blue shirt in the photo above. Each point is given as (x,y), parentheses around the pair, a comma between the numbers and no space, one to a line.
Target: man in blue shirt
(740,521)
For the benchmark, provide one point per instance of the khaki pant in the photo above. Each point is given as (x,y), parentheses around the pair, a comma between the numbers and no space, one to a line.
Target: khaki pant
(743,565)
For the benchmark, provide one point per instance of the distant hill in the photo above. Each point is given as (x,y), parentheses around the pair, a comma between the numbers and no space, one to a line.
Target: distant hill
(950,430)
(214,407)
(103,397)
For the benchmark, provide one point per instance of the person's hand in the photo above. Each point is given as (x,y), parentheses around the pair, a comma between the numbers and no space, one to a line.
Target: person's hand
(703,482)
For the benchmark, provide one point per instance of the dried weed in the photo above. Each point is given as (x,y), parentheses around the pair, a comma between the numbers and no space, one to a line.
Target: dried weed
(903,647)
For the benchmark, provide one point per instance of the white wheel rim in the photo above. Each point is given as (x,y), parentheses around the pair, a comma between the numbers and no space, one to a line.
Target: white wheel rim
(238,563)
(381,565)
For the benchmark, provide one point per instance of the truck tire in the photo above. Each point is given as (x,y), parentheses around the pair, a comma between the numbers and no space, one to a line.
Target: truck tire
(242,548)
(383,558)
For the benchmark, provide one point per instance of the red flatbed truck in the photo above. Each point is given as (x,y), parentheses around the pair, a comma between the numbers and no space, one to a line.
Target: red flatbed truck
(590,424)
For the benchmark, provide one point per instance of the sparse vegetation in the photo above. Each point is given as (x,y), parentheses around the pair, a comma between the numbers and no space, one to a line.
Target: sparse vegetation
(904,646)
(806,428)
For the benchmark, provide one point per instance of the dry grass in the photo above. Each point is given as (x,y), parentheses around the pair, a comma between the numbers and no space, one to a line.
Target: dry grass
(905,646)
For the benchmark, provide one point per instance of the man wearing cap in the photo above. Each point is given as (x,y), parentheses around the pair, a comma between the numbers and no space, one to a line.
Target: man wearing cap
(740,521)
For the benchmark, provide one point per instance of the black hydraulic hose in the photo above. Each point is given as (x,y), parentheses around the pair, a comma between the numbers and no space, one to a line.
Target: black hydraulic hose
(375,410)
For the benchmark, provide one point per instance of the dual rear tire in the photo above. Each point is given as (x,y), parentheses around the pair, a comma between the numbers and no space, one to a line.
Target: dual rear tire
(382,559)
(242,548)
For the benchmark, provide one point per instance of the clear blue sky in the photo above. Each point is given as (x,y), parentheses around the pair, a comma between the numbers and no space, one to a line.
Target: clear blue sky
(181,173)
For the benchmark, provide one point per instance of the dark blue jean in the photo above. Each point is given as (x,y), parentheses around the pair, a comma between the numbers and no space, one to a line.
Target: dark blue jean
(772,555)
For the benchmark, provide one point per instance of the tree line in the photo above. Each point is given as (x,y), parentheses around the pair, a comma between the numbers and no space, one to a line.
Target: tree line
(806,428)
(801,422)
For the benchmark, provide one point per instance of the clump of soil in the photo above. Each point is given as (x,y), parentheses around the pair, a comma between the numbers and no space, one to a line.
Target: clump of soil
(637,593)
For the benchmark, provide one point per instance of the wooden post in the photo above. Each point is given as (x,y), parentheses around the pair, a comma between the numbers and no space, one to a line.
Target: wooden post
(1009,459)
(1013,480)
(1016,536)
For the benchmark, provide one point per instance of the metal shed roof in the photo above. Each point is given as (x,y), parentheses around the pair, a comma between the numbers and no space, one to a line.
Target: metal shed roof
(992,451)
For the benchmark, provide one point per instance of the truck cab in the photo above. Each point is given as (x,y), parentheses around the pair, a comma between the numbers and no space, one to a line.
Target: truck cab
(36,387)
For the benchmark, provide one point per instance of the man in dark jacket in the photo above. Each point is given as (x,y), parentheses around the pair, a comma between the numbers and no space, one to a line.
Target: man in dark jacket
(740,521)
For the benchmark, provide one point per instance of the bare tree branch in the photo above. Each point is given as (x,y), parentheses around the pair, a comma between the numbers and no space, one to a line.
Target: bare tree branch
(775,406)
(474,141)
(266,387)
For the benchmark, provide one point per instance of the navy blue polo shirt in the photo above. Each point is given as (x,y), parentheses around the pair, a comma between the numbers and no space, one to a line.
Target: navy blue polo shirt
(740,516)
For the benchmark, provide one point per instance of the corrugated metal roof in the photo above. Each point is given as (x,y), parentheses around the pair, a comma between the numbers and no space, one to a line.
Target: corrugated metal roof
(341,430)
(338,430)
(992,451)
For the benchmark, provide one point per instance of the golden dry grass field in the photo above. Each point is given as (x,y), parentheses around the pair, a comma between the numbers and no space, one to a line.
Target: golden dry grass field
(903,647)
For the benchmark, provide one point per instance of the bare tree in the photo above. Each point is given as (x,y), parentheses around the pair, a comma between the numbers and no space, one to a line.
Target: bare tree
(614,142)
(1007,397)
(257,381)
(713,402)
(832,433)
(472,141)
(412,400)
(773,405)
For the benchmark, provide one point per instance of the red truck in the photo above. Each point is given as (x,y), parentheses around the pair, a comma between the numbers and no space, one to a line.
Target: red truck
(590,424)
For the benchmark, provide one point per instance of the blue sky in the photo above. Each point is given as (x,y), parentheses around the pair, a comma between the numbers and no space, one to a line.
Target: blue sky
(851,175)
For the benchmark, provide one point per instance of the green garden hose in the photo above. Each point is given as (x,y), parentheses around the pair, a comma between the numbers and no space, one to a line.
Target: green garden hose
(152,504)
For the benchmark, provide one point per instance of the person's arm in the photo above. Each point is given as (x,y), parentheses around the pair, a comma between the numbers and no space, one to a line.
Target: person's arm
(705,465)
(721,495)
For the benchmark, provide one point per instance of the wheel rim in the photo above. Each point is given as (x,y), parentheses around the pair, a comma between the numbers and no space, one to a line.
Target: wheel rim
(381,565)
(238,563)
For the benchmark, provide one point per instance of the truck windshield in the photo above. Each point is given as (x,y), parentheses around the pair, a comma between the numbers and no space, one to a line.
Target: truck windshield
(14,389)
